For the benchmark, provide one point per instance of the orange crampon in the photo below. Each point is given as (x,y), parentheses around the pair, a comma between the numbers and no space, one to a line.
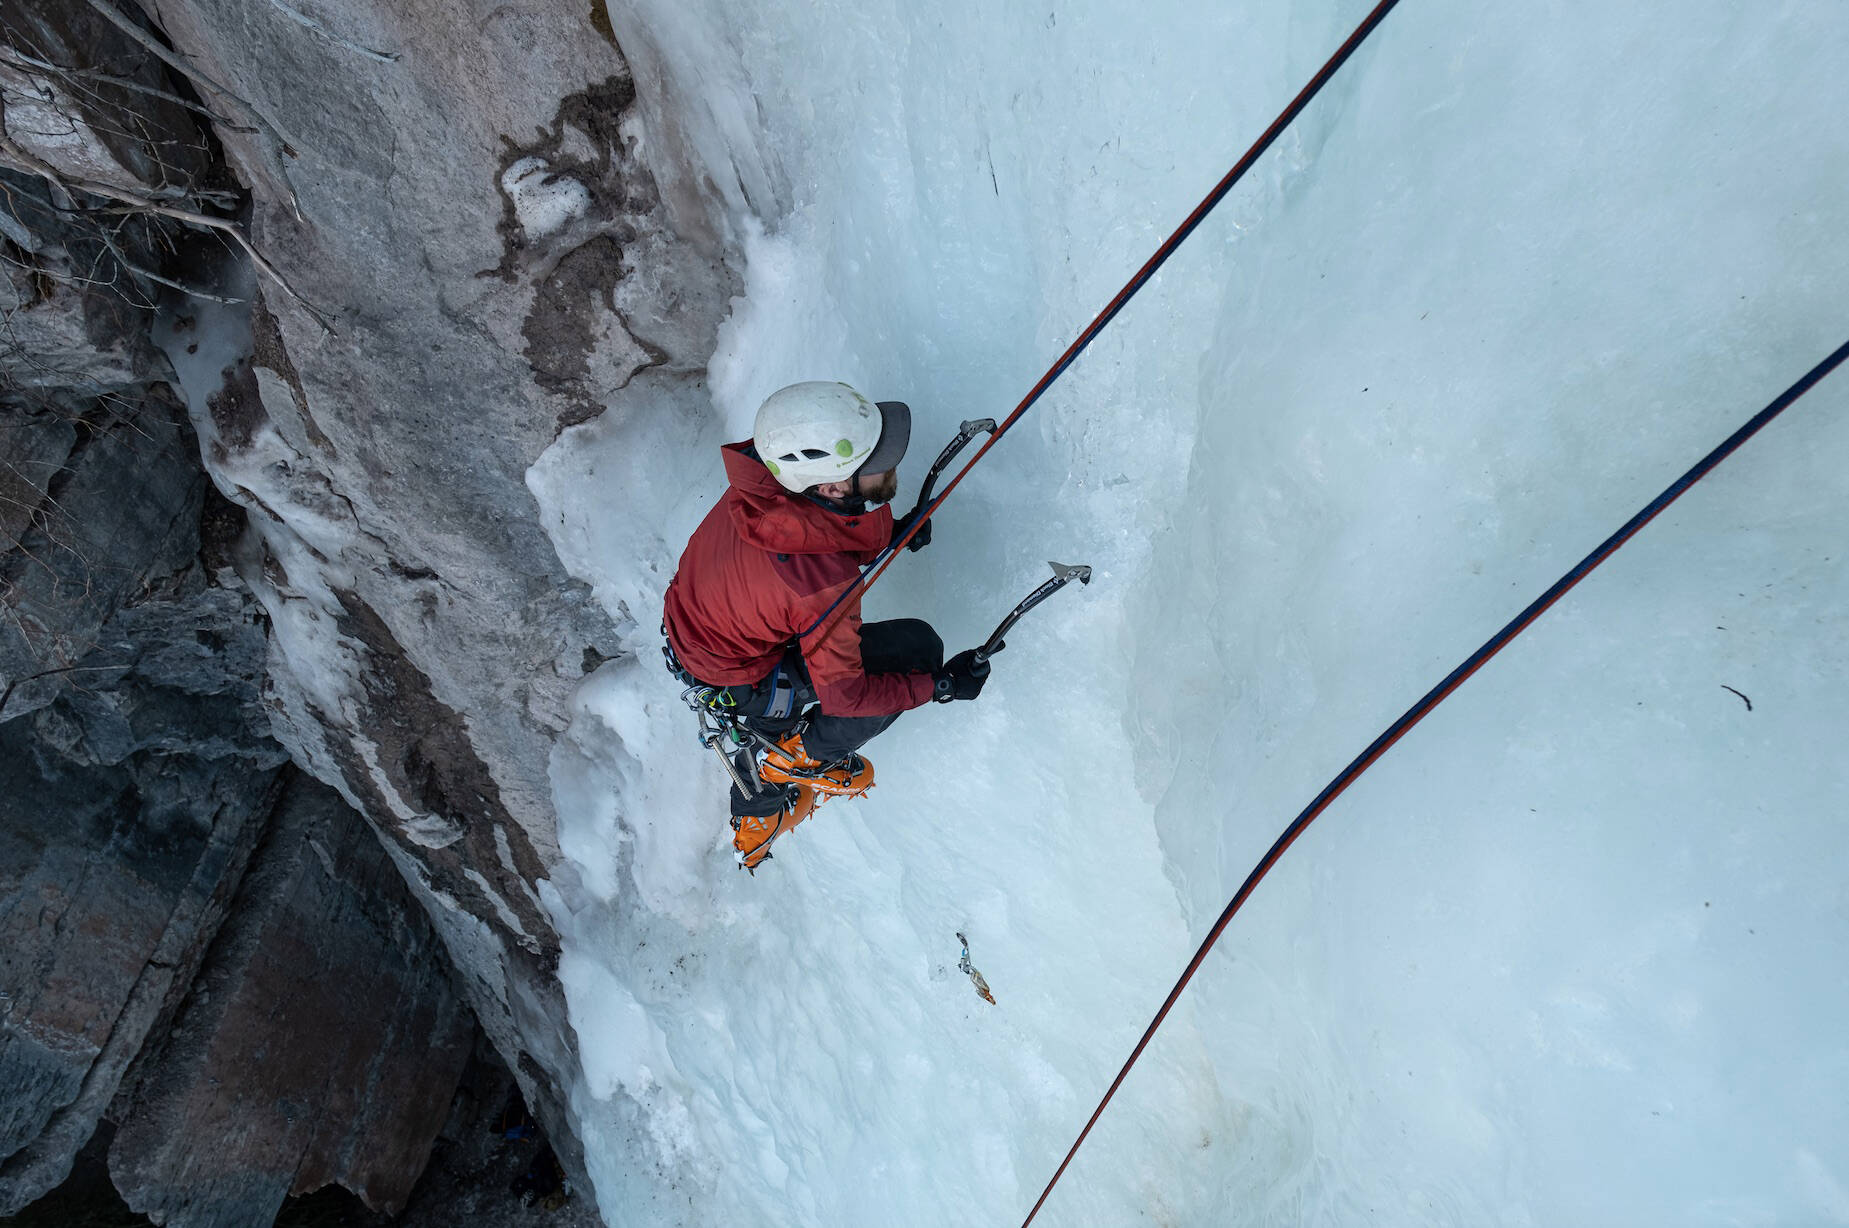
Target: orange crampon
(752,834)
(790,763)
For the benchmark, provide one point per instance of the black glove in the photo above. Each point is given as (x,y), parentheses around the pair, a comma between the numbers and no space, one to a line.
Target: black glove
(924,531)
(961,678)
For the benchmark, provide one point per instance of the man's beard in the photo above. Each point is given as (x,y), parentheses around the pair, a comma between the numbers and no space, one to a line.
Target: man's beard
(885,492)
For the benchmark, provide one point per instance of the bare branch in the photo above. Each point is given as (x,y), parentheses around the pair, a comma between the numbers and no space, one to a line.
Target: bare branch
(136,269)
(276,145)
(23,160)
(23,60)
(256,257)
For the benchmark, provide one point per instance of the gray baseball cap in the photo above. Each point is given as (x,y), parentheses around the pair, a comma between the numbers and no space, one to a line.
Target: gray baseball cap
(895,435)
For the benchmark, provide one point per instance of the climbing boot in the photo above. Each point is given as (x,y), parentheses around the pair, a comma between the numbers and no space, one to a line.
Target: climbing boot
(752,834)
(788,763)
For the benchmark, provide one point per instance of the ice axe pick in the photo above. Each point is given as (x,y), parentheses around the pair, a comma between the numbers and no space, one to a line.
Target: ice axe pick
(1063,574)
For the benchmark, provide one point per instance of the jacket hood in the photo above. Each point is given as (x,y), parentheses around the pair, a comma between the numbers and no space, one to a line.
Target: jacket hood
(771,518)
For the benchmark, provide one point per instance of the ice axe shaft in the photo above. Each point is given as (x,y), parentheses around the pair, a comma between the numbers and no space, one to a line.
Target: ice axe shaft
(968,431)
(1063,574)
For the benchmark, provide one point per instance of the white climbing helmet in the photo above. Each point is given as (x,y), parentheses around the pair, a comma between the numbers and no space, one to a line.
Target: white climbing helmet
(821,431)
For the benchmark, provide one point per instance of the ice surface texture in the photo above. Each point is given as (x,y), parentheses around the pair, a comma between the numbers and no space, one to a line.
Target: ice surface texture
(1571,953)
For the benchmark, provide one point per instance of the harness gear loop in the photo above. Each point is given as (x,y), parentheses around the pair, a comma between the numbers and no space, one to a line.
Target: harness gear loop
(782,702)
(715,706)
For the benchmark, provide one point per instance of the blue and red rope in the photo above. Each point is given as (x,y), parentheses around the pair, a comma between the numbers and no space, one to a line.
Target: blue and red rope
(1437,695)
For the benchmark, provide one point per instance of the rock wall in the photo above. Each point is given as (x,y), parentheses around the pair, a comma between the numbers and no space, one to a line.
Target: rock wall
(476,258)
(136,767)
(321,1044)
(114,875)
(390,252)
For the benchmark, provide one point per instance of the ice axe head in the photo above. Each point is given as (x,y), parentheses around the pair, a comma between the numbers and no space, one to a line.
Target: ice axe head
(1063,574)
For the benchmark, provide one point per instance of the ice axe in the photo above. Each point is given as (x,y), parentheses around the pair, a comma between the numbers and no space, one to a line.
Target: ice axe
(968,431)
(1063,574)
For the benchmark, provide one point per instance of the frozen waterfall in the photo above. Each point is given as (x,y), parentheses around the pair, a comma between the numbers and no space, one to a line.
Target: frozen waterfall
(1574,952)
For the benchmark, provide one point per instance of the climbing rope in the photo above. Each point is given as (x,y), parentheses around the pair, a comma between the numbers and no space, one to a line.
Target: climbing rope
(1432,699)
(872,572)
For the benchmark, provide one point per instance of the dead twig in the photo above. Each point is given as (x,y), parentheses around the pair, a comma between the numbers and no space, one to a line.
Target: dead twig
(138,271)
(276,145)
(21,159)
(20,59)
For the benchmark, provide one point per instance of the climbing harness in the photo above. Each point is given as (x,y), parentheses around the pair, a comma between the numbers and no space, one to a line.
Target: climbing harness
(1432,698)
(782,701)
(722,732)
(782,773)
(721,729)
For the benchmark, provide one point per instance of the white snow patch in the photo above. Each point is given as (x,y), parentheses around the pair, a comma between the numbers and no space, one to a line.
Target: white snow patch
(544,203)
(625,1049)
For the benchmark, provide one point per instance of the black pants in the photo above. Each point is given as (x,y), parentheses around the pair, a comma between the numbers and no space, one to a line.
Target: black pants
(896,646)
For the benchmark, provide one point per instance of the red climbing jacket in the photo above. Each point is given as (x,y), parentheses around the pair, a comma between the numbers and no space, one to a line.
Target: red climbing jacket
(763,566)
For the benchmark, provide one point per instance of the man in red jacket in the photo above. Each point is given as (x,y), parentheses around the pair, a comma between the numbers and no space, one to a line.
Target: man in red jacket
(806,509)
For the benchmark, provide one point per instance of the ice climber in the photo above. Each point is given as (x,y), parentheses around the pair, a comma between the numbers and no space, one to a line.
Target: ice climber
(806,508)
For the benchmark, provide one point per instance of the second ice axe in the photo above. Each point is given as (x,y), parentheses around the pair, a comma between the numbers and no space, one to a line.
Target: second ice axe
(1063,574)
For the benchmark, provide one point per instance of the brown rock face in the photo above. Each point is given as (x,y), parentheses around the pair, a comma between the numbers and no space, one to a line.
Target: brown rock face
(321,1044)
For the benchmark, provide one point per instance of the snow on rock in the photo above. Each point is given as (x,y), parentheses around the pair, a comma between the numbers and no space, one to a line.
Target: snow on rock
(544,203)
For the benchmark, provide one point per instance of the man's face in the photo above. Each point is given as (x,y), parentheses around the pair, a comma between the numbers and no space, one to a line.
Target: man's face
(878,488)
(875,488)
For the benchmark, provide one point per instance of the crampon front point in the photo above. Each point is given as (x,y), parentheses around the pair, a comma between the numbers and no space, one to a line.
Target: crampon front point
(807,782)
